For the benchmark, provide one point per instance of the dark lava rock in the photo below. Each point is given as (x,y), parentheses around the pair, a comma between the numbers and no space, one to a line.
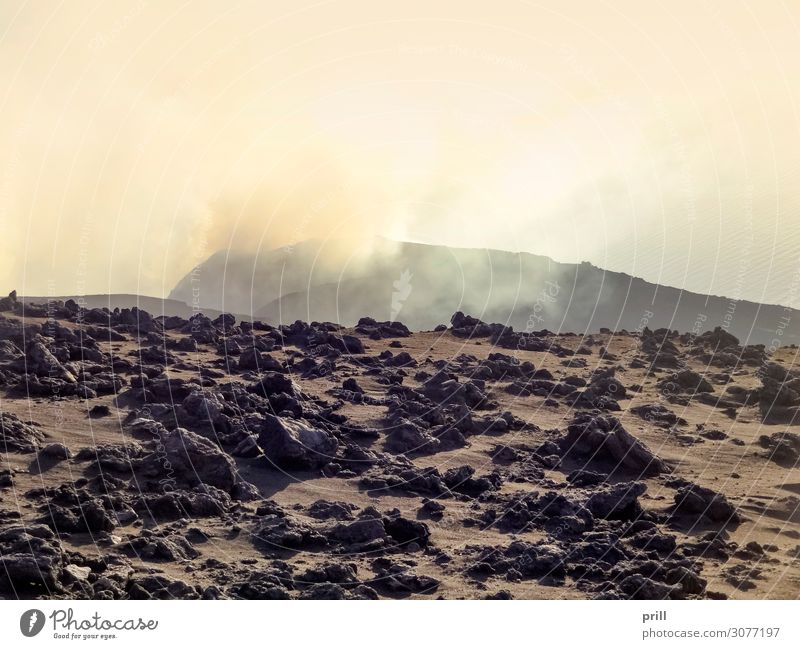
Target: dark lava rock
(294,443)
(658,415)
(582,478)
(76,511)
(32,559)
(7,478)
(712,434)
(601,437)
(779,395)
(377,330)
(113,457)
(346,344)
(99,410)
(700,503)
(333,573)
(712,545)
(327,510)
(153,546)
(40,360)
(551,511)
(360,531)
(784,448)
(432,508)
(195,460)
(404,476)
(406,437)
(688,580)
(265,584)
(56,451)
(160,587)
(17,436)
(719,338)
(465,326)
(251,358)
(523,560)
(399,580)
(405,531)
(604,384)
(641,587)
(272,383)
(654,541)
(352,386)
(618,501)
(443,388)
(461,480)
(278,532)
(202,501)
(207,407)
(685,382)
(659,350)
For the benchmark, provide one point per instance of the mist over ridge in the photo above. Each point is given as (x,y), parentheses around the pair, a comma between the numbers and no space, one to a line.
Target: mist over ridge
(423,285)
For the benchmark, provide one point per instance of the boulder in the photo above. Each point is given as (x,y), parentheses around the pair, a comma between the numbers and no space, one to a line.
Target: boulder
(56,451)
(784,448)
(346,343)
(406,437)
(685,382)
(17,436)
(195,460)
(602,437)
(700,503)
(294,443)
(252,358)
(378,330)
(364,530)
(405,531)
(618,502)
(41,361)
(641,587)
(203,405)
(658,415)
(272,383)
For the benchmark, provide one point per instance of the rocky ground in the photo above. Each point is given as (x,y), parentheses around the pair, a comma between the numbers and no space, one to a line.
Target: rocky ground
(148,457)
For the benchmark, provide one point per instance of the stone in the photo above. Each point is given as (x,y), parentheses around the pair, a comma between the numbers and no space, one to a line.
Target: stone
(99,410)
(294,443)
(641,587)
(405,531)
(658,415)
(399,579)
(195,460)
(700,503)
(685,381)
(56,451)
(41,361)
(326,510)
(784,448)
(403,436)
(32,559)
(360,531)
(688,580)
(618,501)
(17,436)
(602,437)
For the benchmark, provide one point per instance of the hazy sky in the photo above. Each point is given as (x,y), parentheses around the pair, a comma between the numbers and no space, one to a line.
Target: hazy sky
(657,138)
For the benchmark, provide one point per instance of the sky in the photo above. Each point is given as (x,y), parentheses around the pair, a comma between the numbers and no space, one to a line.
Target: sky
(661,139)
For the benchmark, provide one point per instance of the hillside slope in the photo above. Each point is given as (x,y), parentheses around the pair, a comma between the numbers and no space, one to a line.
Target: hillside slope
(422,285)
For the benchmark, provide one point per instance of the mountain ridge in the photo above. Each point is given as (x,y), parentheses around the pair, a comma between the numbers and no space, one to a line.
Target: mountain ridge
(519,289)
